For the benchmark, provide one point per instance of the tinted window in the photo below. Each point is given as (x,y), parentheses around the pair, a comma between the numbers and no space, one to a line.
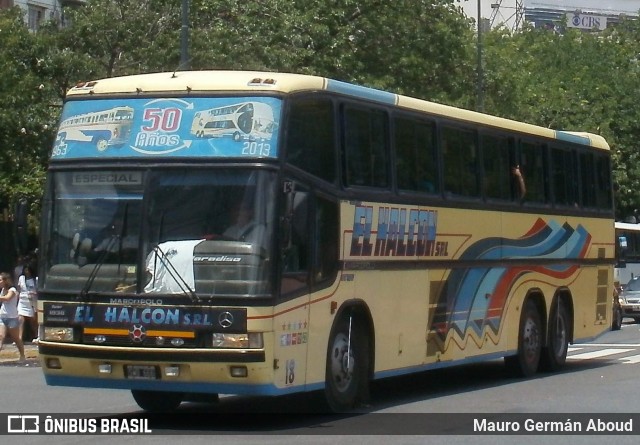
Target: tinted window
(365,146)
(532,166)
(564,172)
(497,167)
(310,137)
(416,166)
(603,174)
(460,157)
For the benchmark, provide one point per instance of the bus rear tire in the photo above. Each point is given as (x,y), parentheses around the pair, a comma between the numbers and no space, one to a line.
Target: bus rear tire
(616,325)
(525,362)
(346,381)
(554,355)
(157,401)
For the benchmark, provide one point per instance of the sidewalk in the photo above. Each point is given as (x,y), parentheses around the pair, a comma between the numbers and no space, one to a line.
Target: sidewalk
(9,355)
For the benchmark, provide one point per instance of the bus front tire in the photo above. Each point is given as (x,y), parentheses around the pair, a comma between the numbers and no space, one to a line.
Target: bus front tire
(157,401)
(525,362)
(347,382)
(554,355)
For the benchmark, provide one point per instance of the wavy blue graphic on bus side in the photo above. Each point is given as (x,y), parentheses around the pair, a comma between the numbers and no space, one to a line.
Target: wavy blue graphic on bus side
(474,298)
(237,127)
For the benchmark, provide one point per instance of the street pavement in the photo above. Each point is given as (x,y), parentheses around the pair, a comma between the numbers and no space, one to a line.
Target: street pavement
(9,356)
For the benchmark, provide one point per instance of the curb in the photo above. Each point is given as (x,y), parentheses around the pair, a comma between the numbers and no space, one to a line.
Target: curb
(10,355)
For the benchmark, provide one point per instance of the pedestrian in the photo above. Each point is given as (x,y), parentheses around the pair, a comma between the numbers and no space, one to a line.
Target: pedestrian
(9,319)
(17,271)
(28,302)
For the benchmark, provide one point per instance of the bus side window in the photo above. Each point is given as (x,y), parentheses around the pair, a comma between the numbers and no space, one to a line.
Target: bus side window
(497,180)
(295,252)
(533,168)
(460,157)
(310,137)
(621,252)
(326,241)
(365,148)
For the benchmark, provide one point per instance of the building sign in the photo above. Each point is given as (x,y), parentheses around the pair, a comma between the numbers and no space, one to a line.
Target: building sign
(586,21)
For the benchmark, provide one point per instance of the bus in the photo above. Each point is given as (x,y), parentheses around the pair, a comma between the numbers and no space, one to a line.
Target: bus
(101,128)
(249,120)
(395,236)
(628,244)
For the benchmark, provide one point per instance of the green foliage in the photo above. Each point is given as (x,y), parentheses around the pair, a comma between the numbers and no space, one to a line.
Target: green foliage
(27,115)
(403,46)
(573,81)
(427,49)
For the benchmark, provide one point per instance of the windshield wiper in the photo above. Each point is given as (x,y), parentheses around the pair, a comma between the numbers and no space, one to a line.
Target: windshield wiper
(84,292)
(173,272)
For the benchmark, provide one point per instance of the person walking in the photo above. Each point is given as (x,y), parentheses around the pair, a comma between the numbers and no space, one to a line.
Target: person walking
(9,319)
(28,302)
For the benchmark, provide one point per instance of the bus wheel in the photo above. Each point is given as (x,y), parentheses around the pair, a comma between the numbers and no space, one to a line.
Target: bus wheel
(616,325)
(157,401)
(347,365)
(525,363)
(101,144)
(554,354)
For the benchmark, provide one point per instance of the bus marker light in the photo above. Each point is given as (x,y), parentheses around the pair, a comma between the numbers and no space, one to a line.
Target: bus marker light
(172,371)
(104,368)
(239,371)
(54,363)
(99,338)
(177,342)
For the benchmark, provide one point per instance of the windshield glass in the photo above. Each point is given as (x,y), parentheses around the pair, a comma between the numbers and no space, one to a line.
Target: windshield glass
(198,233)
(633,285)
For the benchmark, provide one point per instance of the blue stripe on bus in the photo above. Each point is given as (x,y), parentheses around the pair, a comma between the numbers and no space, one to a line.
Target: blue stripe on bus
(576,139)
(362,92)
(191,387)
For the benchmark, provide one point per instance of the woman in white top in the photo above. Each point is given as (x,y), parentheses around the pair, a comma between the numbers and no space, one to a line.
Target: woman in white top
(28,301)
(9,319)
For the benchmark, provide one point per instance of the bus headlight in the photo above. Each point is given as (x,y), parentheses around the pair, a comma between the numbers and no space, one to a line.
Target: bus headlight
(57,334)
(251,340)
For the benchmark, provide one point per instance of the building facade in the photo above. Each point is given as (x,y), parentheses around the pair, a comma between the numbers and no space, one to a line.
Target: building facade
(583,14)
(38,11)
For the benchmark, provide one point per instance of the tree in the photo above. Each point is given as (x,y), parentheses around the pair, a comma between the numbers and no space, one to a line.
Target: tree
(571,81)
(405,46)
(123,36)
(27,117)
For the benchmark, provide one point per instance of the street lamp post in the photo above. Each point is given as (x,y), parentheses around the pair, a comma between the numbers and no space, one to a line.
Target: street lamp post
(184,40)
(480,79)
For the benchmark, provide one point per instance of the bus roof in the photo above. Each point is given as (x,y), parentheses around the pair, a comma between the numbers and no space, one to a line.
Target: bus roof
(631,227)
(190,82)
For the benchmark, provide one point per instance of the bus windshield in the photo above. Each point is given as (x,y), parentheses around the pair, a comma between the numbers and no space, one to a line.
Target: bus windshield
(195,233)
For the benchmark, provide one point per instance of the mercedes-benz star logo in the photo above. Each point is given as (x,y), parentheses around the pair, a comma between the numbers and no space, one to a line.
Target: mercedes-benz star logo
(225,319)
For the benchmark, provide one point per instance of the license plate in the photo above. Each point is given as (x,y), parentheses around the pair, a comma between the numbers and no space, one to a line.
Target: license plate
(141,372)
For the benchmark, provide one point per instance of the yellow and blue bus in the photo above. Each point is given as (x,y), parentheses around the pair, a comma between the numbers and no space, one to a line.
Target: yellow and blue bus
(383,235)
